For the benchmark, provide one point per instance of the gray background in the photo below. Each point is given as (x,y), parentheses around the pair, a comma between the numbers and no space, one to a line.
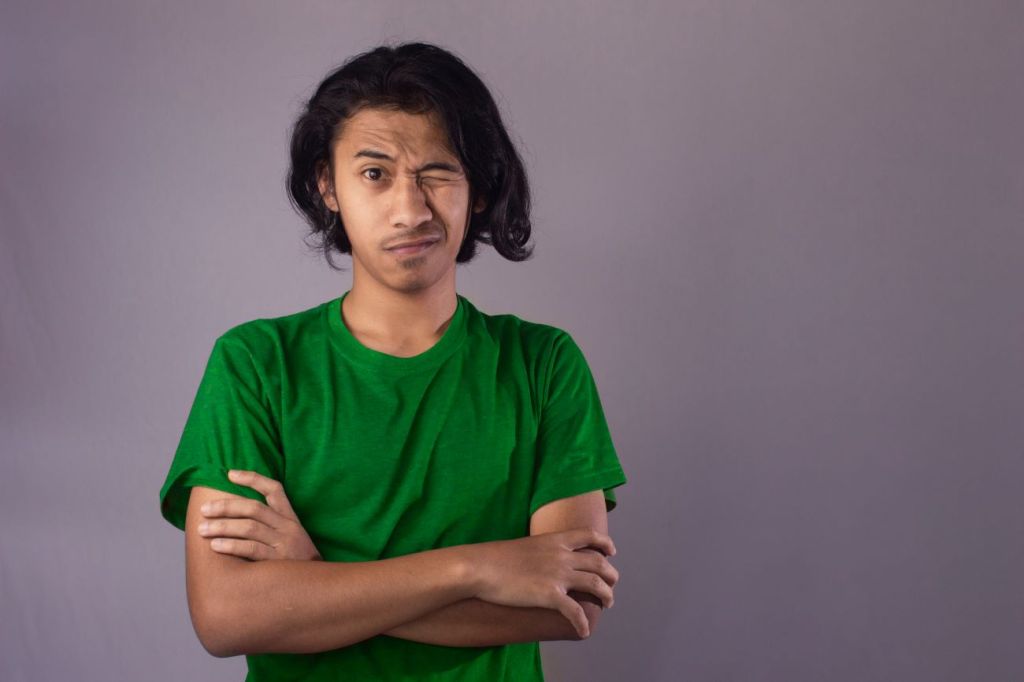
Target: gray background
(787,235)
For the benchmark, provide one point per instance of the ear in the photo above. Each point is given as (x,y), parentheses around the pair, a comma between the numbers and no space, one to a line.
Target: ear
(480,204)
(323,181)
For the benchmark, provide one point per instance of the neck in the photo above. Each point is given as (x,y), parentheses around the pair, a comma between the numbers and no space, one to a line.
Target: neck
(399,318)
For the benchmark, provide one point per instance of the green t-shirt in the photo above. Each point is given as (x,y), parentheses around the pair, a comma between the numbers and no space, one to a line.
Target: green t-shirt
(383,456)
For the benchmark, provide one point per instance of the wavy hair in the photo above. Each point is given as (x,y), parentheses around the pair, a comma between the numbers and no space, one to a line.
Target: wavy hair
(417,78)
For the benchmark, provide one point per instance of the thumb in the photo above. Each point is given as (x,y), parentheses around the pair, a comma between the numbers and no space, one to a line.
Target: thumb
(271,489)
(575,614)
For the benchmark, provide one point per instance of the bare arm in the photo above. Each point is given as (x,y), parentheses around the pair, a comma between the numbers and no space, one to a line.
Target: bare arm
(474,622)
(239,609)
(479,623)
(581,511)
(292,606)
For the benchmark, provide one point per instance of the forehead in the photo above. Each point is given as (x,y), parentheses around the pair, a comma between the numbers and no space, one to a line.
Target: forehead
(395,131)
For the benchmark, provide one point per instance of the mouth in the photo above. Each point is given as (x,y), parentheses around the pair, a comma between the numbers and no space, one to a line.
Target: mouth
(417,247)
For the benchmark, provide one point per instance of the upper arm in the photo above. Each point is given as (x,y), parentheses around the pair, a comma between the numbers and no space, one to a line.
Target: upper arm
(580,511)
(206,570)
(574,452)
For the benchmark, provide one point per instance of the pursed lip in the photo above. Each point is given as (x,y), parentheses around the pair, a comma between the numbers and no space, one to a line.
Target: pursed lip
(419,242)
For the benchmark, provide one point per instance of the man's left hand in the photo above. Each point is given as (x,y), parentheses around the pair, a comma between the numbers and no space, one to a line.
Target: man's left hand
(257,531)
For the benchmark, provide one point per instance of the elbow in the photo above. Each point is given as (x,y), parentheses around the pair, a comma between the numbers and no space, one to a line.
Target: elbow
(217,632)
(218,649)
(215,649)
(222,623)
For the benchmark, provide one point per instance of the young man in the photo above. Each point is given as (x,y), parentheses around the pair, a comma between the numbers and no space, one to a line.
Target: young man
(400,486)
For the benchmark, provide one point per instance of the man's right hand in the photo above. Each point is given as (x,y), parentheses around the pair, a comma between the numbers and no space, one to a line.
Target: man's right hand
(540,570)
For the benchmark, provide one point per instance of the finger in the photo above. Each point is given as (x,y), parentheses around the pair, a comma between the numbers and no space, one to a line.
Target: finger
(247,549)
(590,537)
(271,489)
(593,561)
(585,581)
(248,529)
(575,614)
(235,508)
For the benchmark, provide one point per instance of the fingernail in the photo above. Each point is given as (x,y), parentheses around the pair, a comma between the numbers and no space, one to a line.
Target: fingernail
(206,508)
(204,526)
(218,543)
(232,473)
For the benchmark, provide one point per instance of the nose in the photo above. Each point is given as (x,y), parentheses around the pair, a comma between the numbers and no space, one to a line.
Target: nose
(410,208)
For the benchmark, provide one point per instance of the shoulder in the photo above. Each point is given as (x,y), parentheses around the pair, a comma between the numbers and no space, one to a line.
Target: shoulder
(536,340)
(264,337)
(269,347)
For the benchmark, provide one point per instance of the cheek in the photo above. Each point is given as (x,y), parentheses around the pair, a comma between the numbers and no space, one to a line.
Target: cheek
(360,217)
(451,196)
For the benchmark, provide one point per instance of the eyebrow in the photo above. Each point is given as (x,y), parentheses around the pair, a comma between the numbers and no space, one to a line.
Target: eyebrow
(433,165)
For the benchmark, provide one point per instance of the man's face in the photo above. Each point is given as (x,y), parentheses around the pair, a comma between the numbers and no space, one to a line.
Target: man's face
(396,181)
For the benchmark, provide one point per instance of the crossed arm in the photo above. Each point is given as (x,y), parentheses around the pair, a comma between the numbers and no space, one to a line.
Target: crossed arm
(439,616)
(475,622)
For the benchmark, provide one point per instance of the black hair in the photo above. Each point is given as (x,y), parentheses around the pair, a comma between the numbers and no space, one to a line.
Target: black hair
(417,78)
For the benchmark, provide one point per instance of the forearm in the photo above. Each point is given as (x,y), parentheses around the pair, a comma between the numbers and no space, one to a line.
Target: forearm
(478,623)
(290,606)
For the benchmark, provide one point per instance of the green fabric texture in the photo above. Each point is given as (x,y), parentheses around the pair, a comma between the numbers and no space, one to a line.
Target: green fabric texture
(383,456)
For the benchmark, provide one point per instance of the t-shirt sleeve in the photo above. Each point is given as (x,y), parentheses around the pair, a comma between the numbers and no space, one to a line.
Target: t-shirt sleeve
(230,426)
(575,453)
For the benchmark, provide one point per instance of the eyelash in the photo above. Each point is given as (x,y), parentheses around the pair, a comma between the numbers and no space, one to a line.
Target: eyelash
(366,170)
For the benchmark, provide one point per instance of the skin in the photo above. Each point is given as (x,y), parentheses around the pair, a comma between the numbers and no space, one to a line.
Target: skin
(548,586)
(513,600)
(253,530)
(399,305)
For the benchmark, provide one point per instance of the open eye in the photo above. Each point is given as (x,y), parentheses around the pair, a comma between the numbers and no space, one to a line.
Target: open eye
(375,169)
